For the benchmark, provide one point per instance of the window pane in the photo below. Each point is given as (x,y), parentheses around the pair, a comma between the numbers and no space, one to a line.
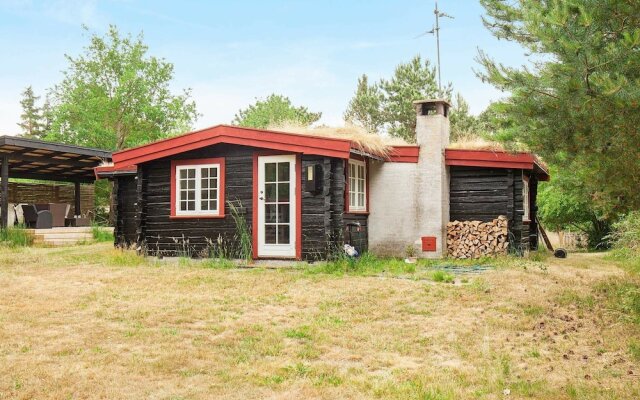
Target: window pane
(191,173)
(360,185)
(283,234)
(183,206)
(213,172)
(283,212)
(204,172)
(183,184)
(270,234)
(270,213)
(191,184)
(283,191)
(283,172)
(204,205)
(204,194)
(213,205)
(270,172)
(191,206)
(270,192)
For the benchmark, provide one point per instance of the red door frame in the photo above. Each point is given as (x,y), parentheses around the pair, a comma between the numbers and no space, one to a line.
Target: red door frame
(254,228)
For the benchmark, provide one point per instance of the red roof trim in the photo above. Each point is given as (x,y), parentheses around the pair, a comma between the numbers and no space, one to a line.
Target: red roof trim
(406,154)
(496,159)
(283,141)
(108,170)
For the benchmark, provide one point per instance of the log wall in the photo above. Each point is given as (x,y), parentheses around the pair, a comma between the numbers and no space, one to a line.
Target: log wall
(483,194)
(125,193)
(143,207)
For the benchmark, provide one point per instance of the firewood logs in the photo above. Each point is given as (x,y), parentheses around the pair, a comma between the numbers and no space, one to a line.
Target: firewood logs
(475,239)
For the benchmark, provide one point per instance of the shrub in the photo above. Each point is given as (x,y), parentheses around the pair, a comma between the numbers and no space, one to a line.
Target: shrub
(626,232)
(15,236)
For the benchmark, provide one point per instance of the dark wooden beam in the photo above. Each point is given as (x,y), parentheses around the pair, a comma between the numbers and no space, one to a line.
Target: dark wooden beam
(47,159)
(4,202)
(54,177)
(57,147)
(77,199)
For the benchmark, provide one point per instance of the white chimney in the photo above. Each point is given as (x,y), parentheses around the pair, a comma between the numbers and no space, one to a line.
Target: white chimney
(409,202)
(432,178)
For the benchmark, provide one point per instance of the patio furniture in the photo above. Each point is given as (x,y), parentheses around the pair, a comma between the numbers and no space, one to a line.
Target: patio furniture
(59,212)
(38,219)
(76,220)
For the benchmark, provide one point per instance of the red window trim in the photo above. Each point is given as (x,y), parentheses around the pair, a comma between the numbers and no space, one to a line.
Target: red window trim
(221,194)
(347,203)
(254,220)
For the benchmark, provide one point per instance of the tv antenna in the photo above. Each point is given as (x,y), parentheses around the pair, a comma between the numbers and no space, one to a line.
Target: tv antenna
(436,31)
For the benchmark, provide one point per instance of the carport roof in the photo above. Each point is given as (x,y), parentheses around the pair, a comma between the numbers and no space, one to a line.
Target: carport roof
(37,159)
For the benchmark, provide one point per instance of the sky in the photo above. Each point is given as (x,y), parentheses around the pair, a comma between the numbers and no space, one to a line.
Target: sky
(232,52)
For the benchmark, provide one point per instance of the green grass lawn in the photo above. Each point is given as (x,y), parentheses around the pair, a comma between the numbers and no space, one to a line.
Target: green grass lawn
(93,322)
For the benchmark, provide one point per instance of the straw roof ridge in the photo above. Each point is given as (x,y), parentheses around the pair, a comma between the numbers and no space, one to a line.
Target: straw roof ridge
(368,142)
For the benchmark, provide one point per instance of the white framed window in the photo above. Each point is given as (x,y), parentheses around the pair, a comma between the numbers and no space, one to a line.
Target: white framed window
(525,199)
(357,186)
(197,190)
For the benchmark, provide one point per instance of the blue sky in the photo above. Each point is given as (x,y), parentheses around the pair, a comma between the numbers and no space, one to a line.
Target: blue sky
(231,52)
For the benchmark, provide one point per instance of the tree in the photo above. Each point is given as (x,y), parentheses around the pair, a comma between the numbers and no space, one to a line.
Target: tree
(387,105)
(364,109)
(563,205)
(578,105)
(463,123)
(115,96)
(273,110)
(31,119)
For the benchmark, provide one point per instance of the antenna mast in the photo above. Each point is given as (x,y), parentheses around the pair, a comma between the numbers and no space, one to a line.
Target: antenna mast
(437,30)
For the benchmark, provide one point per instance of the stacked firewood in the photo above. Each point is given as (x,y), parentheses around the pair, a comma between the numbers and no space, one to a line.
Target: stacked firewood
(474,239)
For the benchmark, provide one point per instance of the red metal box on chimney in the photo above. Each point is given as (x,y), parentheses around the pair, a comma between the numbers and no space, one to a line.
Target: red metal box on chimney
(428,243)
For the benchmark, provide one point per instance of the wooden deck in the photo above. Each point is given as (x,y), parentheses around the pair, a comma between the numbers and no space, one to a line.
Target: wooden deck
(66,236)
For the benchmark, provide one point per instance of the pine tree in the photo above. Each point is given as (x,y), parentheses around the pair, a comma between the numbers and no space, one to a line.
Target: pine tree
(578,103)
(387,105)
(31,117)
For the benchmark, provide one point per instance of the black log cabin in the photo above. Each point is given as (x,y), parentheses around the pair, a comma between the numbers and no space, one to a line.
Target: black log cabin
(301,196)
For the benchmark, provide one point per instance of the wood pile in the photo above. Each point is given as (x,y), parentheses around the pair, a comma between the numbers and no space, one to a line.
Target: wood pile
(475,239)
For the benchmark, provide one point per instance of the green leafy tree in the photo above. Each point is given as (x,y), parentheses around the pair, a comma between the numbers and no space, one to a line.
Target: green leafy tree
(31,119)
(563,205)
(578,104)
(115,96)
(387,105)
(273,110)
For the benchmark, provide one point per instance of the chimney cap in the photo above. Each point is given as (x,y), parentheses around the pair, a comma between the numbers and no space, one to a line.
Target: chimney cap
(432,101)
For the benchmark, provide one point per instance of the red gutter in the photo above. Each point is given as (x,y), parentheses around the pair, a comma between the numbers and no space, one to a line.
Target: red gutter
(405,154)
(496,159)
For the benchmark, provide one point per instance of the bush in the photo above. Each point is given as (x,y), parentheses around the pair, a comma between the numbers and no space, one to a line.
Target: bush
(15,236)
(626,232)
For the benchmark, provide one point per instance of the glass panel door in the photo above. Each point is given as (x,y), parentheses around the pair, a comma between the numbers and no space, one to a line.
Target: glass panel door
(276,206)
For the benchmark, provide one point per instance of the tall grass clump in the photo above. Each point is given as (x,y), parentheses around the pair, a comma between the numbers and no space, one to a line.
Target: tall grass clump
(243,233)
(100,234)
(15,236)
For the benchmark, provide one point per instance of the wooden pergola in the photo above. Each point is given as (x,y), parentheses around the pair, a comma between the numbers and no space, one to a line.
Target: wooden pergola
(36,159)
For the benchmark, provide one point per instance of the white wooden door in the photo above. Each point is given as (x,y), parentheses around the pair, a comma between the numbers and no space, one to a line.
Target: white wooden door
(277,206)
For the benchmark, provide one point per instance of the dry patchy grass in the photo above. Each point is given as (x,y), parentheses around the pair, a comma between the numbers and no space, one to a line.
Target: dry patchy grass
(93,322)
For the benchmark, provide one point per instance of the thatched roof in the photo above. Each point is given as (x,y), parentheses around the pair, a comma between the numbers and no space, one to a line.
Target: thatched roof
(365,141)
